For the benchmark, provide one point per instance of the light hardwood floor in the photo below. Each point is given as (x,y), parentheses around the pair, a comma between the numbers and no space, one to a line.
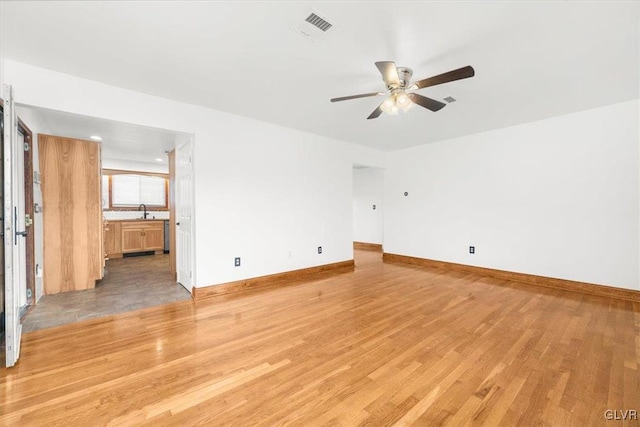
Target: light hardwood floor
(387,344)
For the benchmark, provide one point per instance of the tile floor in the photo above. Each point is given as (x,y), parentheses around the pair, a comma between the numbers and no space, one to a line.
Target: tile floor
(129,284)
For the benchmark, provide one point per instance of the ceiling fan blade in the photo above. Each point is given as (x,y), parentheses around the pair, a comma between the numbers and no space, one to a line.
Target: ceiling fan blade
(364,95)
(376,113)
(450,76)
(428,103)
(389,73)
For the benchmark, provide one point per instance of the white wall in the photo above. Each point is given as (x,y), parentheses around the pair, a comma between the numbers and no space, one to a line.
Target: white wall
(263,192)
(134,214)
(556,198)
(368,190)
(35,123)
(132,165)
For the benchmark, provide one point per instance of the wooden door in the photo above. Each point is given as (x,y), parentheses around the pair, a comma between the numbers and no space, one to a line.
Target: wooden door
(72,213)
(30,228)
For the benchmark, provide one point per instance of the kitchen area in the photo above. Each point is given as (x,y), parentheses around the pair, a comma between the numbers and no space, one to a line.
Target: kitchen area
(134,237)
(136,232)
(104,218)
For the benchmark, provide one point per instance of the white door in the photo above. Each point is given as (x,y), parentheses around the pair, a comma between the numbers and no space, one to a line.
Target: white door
(184,215)
(14,256)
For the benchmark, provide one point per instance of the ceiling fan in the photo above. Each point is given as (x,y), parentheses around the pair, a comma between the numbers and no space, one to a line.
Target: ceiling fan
(400,91)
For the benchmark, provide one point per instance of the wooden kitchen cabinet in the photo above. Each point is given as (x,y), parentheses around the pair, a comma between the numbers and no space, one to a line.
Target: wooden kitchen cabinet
(142,236)
(154,237)
(113,239)
(132,239)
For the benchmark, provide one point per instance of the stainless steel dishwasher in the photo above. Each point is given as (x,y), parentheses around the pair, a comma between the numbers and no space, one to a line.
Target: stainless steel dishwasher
(167,243)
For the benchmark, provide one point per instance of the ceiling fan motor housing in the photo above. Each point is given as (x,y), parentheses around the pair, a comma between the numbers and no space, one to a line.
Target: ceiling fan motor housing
(404,75)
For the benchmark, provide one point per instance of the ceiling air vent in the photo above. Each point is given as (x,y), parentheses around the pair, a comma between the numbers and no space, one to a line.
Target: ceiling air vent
(313,27)
(450,99)
(318,22)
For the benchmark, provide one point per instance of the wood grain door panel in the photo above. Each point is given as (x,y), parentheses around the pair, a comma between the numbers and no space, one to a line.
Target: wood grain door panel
(72,213)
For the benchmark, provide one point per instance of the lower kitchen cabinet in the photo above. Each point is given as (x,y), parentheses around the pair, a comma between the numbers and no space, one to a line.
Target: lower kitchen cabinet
(142,236)
(113,239)
(123,237)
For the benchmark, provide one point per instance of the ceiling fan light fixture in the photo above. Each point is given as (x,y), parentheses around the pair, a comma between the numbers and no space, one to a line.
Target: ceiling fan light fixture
(396,102)
(386,105)
(389,105)
(402,101)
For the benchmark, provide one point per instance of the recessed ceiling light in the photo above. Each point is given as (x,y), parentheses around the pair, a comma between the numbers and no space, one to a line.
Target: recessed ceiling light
(158,160)
(96,137)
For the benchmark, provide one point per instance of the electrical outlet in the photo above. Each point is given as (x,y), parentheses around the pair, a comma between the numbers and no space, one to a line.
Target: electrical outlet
(472,249)
(236,262)
(319,249)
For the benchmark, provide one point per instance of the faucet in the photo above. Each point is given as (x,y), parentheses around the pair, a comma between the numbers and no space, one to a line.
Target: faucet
(143,206)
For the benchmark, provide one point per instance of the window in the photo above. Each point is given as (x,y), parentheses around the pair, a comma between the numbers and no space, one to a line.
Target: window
(105,192)
(129,190)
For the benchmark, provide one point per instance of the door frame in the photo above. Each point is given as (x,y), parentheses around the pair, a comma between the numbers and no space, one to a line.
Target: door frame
(29,210)
(2,299)
(171,156)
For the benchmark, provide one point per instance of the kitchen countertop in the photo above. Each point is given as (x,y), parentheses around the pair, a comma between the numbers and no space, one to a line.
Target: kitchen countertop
(135,219)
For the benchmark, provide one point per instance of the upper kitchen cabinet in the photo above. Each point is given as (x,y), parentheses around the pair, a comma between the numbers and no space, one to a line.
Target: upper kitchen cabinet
(72,213)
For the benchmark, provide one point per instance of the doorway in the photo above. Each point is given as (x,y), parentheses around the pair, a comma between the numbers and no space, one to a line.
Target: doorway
(129,279)
(368,207)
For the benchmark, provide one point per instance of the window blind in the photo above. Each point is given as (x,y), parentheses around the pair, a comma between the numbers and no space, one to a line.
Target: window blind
(105,191)
(132,190)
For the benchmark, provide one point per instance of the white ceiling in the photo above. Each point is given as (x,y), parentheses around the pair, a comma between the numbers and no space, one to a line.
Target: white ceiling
(120,141)
(533,60)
